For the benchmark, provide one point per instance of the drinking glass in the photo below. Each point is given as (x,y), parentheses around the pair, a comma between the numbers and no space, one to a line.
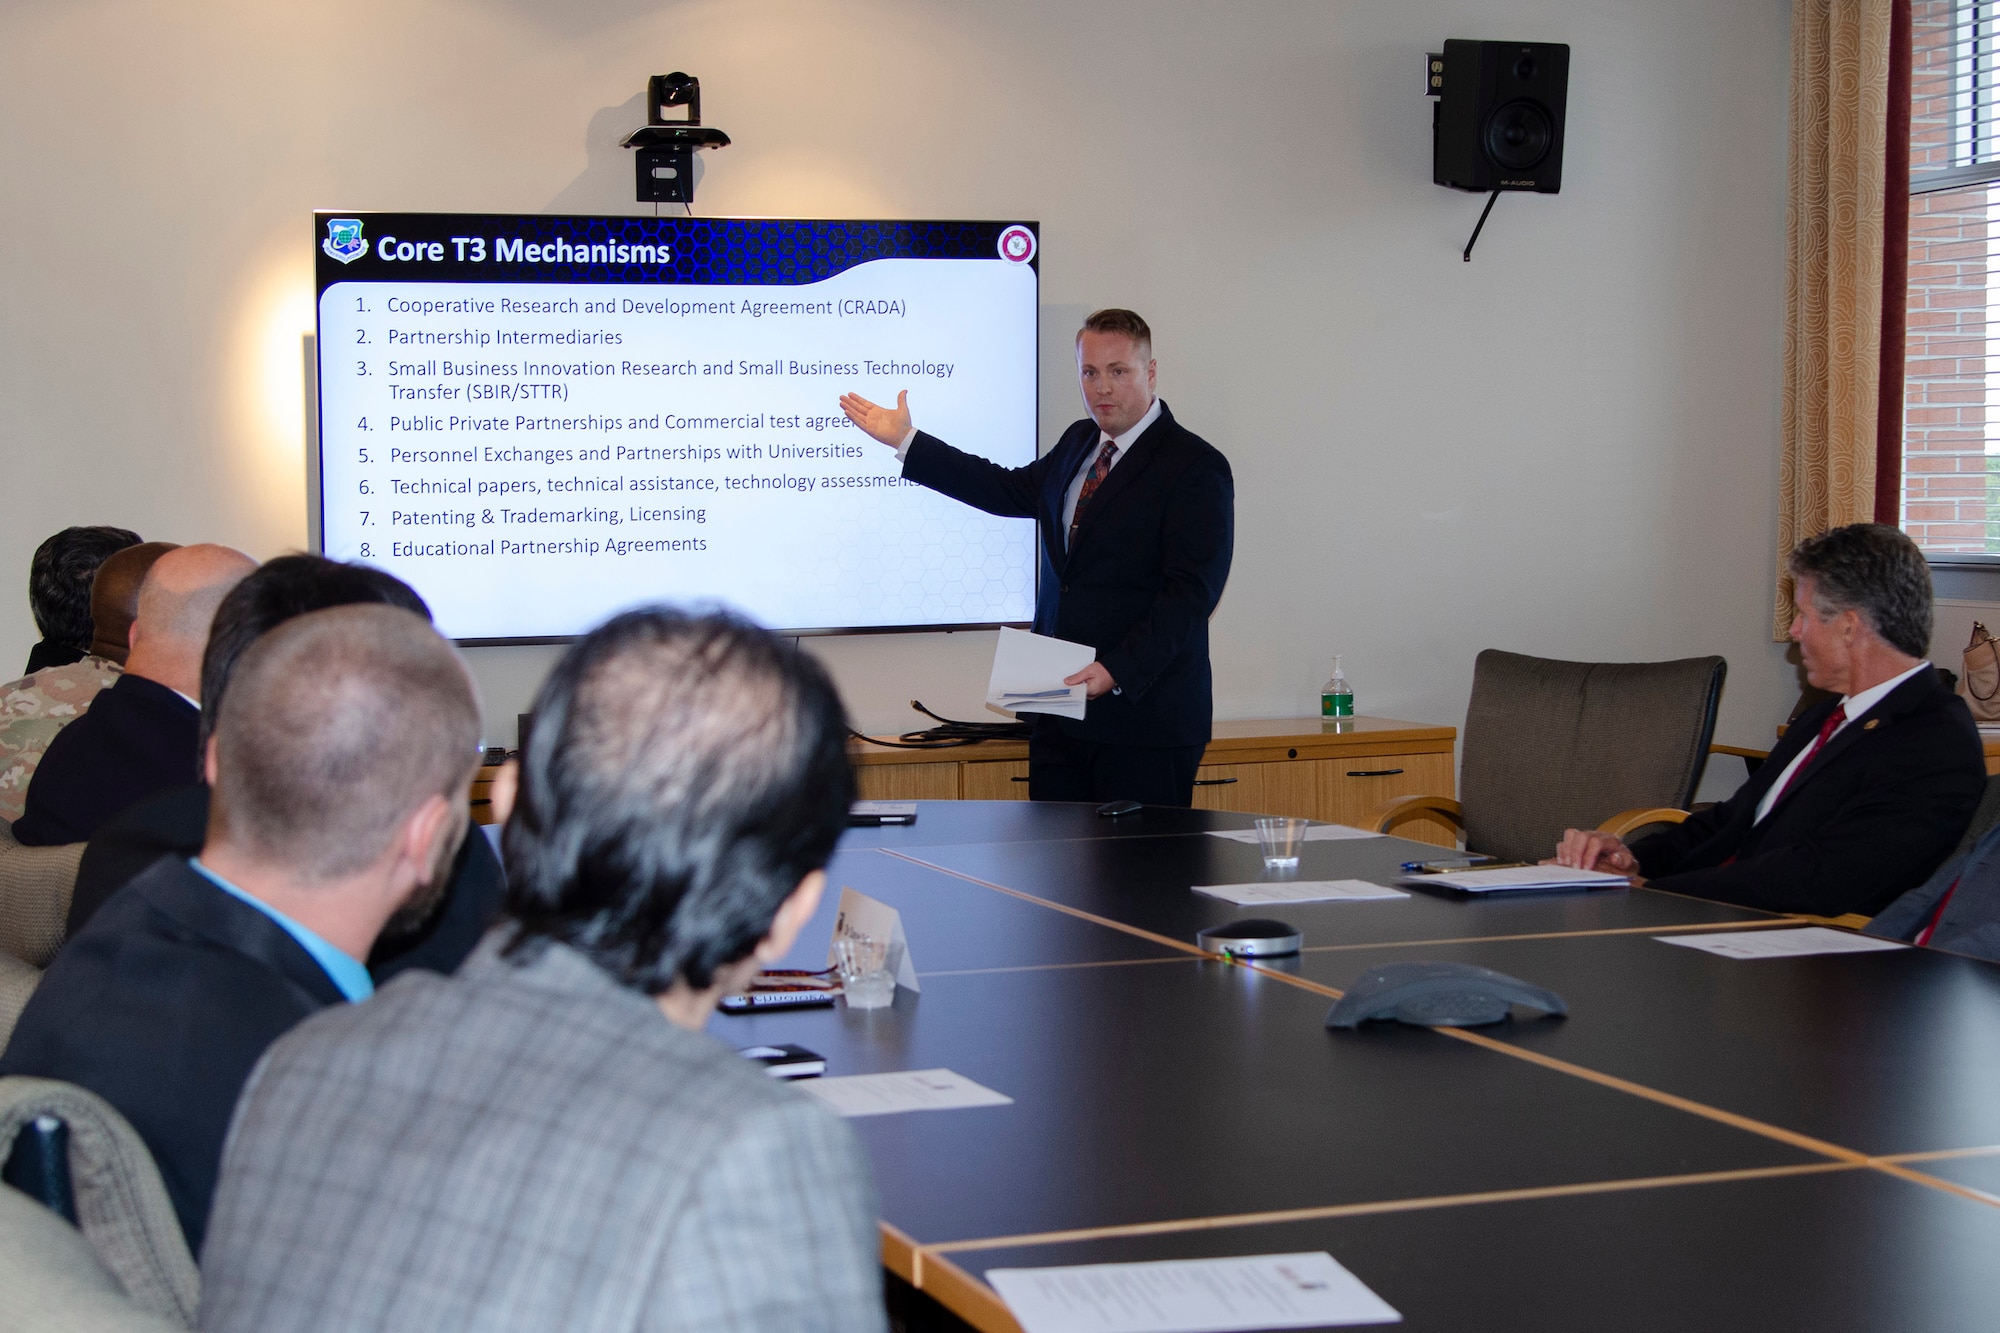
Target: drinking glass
(1280,838)
(865,977)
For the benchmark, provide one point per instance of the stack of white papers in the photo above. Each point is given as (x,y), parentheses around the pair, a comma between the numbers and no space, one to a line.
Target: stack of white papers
(1028,674)
(905,1090)
(1780,943)
(1510,879)
(1299,891)
(1190,1296)
(1316,833)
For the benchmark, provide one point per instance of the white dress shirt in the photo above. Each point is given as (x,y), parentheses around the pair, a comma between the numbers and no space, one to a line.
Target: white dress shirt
(1123,442)
(1855,706)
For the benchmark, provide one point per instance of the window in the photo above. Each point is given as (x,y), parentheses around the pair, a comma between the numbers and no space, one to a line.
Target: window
(1951,424)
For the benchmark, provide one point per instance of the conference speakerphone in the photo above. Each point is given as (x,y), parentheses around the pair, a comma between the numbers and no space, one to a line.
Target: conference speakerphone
(539,421)
(1252,937)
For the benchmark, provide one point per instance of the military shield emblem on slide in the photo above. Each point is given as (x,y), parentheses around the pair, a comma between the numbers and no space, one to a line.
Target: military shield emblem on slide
(343,240)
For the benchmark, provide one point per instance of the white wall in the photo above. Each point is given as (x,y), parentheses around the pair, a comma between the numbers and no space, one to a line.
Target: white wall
(1566,447)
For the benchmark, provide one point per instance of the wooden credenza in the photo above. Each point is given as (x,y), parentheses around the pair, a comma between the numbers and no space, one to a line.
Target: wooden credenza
(1337,772)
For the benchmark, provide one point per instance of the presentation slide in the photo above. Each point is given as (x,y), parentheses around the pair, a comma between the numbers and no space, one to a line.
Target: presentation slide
(540,421)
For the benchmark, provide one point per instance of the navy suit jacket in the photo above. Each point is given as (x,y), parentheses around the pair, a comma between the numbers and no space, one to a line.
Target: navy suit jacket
(163,1006)
(1870,817)
(1971,920)
(1151,558)
(138,738)
(175,823)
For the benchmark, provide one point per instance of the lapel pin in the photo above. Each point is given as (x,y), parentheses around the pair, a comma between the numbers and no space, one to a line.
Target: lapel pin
(1871,724)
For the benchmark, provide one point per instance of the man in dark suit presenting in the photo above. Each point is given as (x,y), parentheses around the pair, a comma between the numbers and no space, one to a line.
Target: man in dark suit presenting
(1137,520)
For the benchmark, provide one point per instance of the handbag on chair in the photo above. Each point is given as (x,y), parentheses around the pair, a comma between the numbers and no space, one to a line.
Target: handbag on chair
(1980,685)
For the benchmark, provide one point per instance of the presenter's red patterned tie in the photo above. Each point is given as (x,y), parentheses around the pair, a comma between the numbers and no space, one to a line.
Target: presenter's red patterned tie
(1098,472)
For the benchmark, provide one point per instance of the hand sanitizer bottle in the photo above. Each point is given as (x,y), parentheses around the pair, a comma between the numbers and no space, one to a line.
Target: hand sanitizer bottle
(1336,697)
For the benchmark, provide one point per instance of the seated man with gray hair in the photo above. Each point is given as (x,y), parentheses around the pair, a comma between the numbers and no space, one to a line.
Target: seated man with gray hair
(547,1139)
(341,761)
(1866,793)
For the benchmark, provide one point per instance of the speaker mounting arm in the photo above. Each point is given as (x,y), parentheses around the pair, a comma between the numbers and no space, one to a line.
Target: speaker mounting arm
(1491,199)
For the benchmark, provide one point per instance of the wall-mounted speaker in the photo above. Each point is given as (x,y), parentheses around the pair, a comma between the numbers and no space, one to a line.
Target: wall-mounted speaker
(1498,121)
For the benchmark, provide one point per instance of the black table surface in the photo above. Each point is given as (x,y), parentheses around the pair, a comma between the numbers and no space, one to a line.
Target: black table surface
(1702,1142)
(1846,1249)
(1146,882)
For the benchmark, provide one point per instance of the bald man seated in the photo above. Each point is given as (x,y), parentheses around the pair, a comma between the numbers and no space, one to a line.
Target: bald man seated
(114,598)
(340,764)
(143,734)
(174,822)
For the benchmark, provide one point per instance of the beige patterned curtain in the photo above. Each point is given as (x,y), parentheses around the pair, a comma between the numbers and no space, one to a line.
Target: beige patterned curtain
(1833,278)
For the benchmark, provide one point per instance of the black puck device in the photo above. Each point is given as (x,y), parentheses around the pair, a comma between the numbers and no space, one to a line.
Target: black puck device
(1252,937)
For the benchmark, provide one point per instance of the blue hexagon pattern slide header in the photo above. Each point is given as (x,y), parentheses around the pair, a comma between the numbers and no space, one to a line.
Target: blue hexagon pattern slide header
(743,252)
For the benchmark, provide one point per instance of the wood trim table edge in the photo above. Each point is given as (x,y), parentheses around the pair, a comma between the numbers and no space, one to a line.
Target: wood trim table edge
(1398,738)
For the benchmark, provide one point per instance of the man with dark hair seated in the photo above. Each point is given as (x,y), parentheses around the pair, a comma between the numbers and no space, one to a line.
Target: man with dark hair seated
(139,736)
(59,579)
(114,598)
(548,1139)
(174,822)
(1866,793)
(340,763)
(35,708)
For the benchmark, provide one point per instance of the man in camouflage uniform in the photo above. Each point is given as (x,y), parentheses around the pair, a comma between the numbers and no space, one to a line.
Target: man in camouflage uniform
(61,581)
(32,710)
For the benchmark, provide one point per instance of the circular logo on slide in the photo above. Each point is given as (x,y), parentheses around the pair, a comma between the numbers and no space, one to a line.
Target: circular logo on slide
(1017,244)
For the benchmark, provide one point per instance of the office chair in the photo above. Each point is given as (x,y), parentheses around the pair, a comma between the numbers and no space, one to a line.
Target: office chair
(35,888)
(17,982)
(51,1280)
(1553,745)
(69,1156)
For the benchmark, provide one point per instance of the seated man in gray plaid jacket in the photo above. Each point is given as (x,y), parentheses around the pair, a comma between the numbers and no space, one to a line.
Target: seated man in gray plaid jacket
(548,1140)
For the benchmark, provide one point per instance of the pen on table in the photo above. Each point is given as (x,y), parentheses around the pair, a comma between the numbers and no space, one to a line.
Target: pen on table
(1436,868)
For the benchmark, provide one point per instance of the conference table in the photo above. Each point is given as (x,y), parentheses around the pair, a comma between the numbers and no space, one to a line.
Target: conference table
(1703,1142)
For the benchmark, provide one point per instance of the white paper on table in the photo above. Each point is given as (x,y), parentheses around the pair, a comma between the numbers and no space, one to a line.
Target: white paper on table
(1028,673)
(1509,878)
(1299,891)
(861,915)
(882,809)
(1190,1296)
(904,1090)
(1780,943)
(1315,833)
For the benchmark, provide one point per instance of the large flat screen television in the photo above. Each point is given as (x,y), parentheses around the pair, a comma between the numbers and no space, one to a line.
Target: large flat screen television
(538,421)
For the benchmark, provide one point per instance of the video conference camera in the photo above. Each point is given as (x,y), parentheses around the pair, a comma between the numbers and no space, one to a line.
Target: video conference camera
(665,149)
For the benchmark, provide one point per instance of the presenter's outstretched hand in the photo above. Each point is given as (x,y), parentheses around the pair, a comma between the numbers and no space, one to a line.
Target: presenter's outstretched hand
(889,425)
(1589,849)
(1094,679)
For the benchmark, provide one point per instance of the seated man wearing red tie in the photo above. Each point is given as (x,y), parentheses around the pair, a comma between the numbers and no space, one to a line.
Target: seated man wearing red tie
(1866,794)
